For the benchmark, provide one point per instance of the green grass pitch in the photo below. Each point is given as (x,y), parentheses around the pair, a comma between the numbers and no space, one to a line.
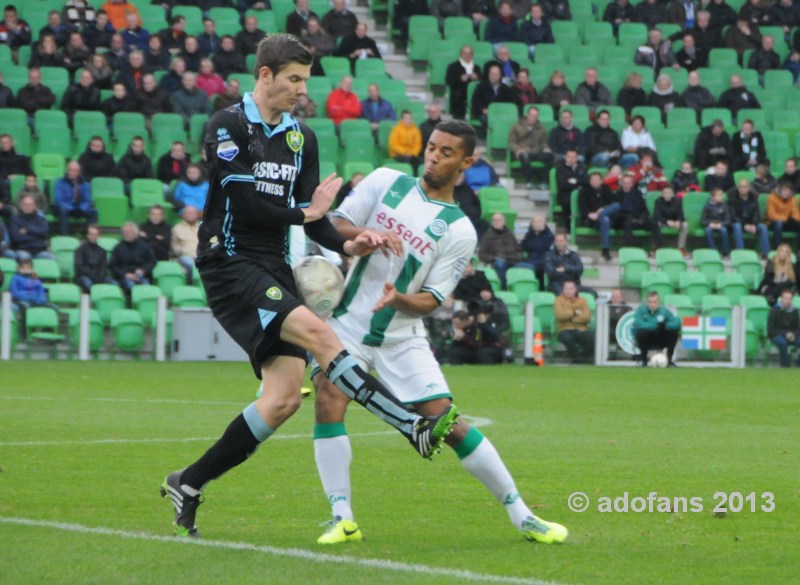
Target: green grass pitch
(83,448)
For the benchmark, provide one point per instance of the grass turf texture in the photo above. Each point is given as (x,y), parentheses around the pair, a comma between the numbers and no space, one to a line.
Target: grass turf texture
(600,431)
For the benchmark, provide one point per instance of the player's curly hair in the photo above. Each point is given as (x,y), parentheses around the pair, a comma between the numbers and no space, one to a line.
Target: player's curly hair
(279,50)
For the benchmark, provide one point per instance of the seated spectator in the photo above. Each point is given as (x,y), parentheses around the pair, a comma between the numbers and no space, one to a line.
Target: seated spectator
(101,71)
(534,246)
(737,97)
(120,101)
(191,191)
(690,57)
(668,213)
(46,53)
(783,213)
(561,265)
(228,59)
(172,165)
(706,36)
(685,179)
(405,141)
(791,174)
(479,10)
(603,146)
(481,174)
(31,188)
(157,233)
(156,57)
(184,239)
(746,217)
(174,35)
(748,147)
(117,55)
(173,80)
(191,54)
(565,137)
(792,65)
(470,204)
(29,233)
(134,36)
(473,286)
(616,310)
(491,325)
(785,14)
(296,20)
(81,96)
(498,247)
(91,261)
(429,125)
(357,45)
(98,34)
(73,198)
(208,40)
(151,99)
(316,36)
(248,38)
(26,288)
(208,81)
(783,327)
(721,13)
(132,72)
(14,31)
(753,12)
(508,67)
(712,145)
(696,96)
(613,177)
(76,53)
(458,76)
(592,93)
(572,318)
(656,52)
(535,30)
(339,21)
(556,93)
(375,108)
(570,175)
(651,13)
(646,175)
(134,164)
(636,138)
(230,96)
(718,178)
(463,348)
(342,103)
(656,328)
(764,58)
(617,13)
(95,161)
(189,100)
(526,92)
(632,95)
(442,9)
(779,275)
(12,164)
(664,97)
(742,37)
(489,91)
(502,28)
(682,13)
(117,10)
(764,183)
(79,14)
(7,99)
(598,208)
(634,213)
(527,140)
(716,218)
(132,260)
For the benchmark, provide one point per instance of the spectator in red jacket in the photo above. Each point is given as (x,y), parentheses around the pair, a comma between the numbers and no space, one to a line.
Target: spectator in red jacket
(647,175)
(342,103)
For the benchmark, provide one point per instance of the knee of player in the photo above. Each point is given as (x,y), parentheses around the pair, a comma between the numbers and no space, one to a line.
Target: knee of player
(460,430)
(331,403)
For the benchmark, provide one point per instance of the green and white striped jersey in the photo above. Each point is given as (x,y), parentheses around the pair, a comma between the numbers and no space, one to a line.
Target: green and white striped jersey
(438,242)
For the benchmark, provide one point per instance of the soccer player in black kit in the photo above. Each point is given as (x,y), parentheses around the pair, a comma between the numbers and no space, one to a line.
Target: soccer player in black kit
(263,169)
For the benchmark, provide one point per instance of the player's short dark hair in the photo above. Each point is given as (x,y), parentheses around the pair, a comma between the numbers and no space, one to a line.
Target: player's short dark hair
(653,293)
(279,50)
(462,130)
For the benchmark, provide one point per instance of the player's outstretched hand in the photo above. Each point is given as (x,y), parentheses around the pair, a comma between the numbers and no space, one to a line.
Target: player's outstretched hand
(323,197)
(389,295)
(365,243)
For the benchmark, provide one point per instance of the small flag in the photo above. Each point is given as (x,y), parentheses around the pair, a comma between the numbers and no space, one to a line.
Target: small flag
(704,333)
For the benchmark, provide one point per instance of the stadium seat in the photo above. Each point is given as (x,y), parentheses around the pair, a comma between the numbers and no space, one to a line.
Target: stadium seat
(358,127)
(422,31)
(682,119)
(746,263)
(717,306)
(656,281)
(543,310)
(64,249)
(127,330)
(56,141)
(47,269)
(695,285)
(97,334)
(188,297)
(672,263)
(522,282)
(732,285)
(41,324)
(757,312)
(144,298)
(708,115)
(227,20)
(566,32)
(632,34)
(335,68)
(64,295)
(709,262)
(48,167)
(512,303)
(633,262)
(683,305)
(553,54)
(778,80)
(8,267)
(492,277)
(106,298)
(598,33)
(353,167)
(112,210)
(168,275)
(359,149)
(144,194)
(723,58)
(194,18)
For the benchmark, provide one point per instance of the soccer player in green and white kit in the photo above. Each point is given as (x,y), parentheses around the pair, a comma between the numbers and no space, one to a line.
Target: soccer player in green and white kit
(379,322)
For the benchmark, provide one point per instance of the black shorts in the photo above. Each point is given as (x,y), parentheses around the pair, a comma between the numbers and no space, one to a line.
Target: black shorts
(251,301)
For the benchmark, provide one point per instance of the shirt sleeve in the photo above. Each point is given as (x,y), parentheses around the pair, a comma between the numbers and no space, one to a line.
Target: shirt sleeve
(308,180)
(448,269)
(359,205)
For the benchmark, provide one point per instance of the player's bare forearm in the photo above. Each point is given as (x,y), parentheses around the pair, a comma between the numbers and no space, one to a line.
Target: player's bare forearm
(347,229)
(419,304)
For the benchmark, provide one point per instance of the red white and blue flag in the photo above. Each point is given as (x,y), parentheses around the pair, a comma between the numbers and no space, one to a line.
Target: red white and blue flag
(704,333)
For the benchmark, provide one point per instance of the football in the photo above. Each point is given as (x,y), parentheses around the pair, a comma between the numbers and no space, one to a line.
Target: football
(659,360)
(320,284)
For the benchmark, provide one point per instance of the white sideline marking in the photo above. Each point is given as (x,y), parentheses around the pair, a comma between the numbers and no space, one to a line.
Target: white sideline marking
(296,553)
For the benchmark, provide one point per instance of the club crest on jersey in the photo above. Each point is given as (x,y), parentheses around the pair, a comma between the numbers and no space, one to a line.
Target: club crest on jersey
(274,293)
(295,140)
(227,150)
(438,227)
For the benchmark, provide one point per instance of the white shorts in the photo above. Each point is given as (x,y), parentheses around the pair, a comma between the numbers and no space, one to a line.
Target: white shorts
(407,368)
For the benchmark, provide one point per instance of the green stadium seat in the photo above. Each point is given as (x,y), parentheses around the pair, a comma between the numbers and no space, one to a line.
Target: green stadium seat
(352,168)
(723,58)
(543,309)
(651,115)
(553,54)
(422,31)
(777,145)
(717,306)
(371,69)
(708,115)
(167,276)
(188,297)
(41,324)
(682,119)
(566,32)
(106,298)
(631,34)
(732,285)
(153,17)
(47,269)
(522,282)
(8,267)
(459,27)
(598,33)
(335,68)
(746,263)
(64,249)
(112,210)
(56,140)
(226,20)
(695,285)
(144,299)
(759,117)
(194,18)
(511,302)
(131,121)
(46,120)
(656,281)
(633,263)
(683,305)
(144,194)
(672,263)
(492,277)
(757,312)
(693,204)
(778,80)
(709,262)
(127,330)
(359,149)
(64,295)
(97,334)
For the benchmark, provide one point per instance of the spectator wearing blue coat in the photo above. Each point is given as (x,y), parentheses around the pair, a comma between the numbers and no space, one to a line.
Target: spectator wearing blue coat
(535,245)
(73,198)
(503,27)
(134,36)
(375,108)
(480,174)
(535,30)
(29,232)
(192,191)
(26,288)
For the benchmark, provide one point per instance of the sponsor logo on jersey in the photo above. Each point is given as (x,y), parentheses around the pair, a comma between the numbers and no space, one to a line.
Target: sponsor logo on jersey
(227,150)
(405,233)
(438,227)
(295,140)
(274,171)
(274,293)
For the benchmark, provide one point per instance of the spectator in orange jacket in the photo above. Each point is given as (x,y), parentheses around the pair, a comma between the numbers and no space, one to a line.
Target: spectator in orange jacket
(117,10)
(342,103)
(783,213)
(405,141)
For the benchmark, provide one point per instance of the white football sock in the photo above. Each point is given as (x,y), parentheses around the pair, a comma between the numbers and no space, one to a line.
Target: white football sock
(485,464)
(333,456)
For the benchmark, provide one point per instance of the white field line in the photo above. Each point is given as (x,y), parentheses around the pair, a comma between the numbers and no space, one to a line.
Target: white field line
(294,553)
